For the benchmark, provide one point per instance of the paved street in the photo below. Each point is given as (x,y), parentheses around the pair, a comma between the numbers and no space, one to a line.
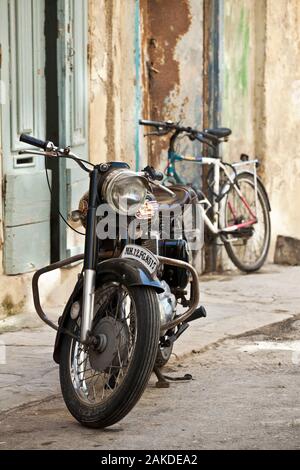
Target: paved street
(245,392)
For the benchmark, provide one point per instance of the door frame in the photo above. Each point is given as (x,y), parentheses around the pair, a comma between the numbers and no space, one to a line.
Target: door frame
(57,166)
(61,106)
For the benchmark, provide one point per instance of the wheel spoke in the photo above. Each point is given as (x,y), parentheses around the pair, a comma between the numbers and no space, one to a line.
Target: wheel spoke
(94,386)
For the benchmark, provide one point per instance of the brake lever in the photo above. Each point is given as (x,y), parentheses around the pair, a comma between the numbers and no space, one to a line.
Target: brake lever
(37,152)
(157,133)
(151,133)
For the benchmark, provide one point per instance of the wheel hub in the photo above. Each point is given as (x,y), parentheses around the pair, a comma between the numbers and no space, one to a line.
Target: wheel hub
(113,349)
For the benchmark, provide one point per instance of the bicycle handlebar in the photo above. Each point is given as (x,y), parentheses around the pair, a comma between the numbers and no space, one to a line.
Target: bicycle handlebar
(164,127)
(145,122)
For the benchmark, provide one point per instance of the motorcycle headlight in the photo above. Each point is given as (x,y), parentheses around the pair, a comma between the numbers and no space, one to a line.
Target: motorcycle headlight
(125,191)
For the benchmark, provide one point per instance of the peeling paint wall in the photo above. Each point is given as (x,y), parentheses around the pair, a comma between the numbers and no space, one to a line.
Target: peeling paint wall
(98,81)
(238,75)
(125,81)
(242,26)
(112,80)
(173,39)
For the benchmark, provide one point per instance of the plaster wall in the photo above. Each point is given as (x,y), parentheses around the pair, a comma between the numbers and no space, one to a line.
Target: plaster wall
(282,110)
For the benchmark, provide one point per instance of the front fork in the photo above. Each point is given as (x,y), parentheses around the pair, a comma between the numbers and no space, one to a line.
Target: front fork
(90,259)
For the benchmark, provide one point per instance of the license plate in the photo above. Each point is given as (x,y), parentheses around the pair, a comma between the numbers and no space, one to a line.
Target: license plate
(144,256)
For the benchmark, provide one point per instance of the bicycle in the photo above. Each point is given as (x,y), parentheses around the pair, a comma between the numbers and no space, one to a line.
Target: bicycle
(237,210)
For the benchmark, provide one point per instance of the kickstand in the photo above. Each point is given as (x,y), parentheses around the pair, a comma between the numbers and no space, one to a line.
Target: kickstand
(162,381)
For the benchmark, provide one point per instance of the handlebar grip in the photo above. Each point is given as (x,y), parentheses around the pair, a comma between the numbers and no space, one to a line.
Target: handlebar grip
(144,122)
(33,141)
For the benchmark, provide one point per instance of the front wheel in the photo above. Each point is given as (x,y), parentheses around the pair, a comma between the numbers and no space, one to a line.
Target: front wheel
(248,247)
(100,386)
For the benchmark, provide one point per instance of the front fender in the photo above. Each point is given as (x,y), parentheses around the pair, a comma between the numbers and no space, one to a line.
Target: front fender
(126,271)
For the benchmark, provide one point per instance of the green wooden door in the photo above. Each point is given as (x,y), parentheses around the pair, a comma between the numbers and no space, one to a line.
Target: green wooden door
(26,198)
(73,108)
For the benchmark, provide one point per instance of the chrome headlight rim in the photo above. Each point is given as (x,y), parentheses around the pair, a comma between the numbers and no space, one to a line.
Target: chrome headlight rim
(109,184)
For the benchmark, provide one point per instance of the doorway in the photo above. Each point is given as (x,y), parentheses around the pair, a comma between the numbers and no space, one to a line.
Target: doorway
(44,69)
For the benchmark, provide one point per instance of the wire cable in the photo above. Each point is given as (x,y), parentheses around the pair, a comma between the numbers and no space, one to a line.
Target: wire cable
(60,214)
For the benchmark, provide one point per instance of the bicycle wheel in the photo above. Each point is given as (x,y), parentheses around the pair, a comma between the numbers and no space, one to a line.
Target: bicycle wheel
(248,247)
(101,387)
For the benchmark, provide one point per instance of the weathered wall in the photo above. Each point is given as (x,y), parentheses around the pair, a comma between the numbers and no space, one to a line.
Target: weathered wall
(241,73)
(1,209)
(172,43)
(112,80)
(282,84)
(98,80)
(241,82)
(260,97)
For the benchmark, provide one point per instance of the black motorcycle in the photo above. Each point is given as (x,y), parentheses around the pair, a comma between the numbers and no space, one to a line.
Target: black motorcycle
(121,319)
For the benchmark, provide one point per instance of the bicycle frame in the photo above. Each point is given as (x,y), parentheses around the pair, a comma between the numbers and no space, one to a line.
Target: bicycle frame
(218,198)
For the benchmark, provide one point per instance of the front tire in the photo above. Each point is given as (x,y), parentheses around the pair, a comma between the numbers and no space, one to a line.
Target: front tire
(100,388)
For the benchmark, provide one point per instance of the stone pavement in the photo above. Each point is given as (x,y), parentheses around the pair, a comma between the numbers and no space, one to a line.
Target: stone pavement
(235,303)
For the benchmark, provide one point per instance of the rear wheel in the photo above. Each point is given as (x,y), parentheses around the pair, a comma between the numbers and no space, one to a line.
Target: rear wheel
(100,386)
(247,248)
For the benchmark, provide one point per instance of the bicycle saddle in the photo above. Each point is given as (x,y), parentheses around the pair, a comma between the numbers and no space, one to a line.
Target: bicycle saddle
(219,132)
(182,195)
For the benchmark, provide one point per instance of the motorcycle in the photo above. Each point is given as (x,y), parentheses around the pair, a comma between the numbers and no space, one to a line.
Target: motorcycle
(121,320)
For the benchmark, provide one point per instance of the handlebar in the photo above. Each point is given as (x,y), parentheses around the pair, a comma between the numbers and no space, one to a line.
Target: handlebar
(145,122)
(50,150)
(42,144)
(164,127)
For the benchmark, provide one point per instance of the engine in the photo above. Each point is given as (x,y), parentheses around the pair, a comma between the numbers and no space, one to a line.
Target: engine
(176,249)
